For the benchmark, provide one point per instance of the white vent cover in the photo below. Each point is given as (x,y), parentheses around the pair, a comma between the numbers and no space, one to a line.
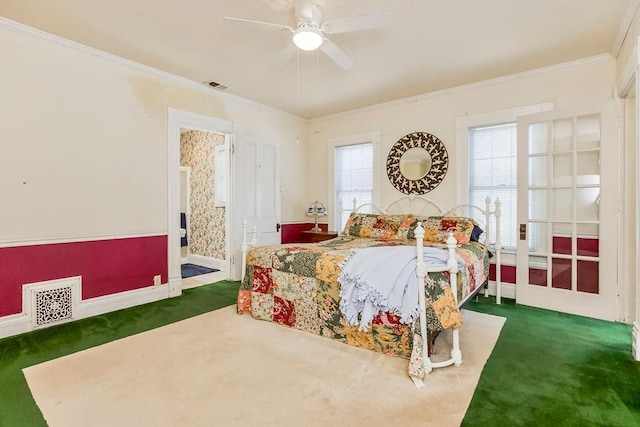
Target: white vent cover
(52,302)
(217,85)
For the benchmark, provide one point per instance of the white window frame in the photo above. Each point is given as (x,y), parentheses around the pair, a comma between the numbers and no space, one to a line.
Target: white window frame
(373,138)
(463,124)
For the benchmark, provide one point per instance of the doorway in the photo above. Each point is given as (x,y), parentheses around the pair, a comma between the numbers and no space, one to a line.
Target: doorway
(201,130)
(202,207)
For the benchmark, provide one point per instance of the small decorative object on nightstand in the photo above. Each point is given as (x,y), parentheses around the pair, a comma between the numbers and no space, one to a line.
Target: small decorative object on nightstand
(316,209)
(310,236)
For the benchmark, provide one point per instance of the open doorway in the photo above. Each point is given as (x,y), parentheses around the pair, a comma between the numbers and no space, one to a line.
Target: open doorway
(203,210)
(199,208)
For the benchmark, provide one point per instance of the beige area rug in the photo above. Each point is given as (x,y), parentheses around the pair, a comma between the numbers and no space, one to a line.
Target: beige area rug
(222,369)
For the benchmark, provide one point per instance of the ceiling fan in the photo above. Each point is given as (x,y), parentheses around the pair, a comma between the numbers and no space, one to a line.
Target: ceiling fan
(310,31)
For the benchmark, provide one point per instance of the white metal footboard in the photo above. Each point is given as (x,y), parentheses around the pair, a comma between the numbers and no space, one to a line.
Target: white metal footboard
(452,268)
(466,210)
(421,272)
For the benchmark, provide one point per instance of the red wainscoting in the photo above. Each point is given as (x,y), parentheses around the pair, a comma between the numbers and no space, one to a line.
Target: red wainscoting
(507,273)
(106,266)
(290,233)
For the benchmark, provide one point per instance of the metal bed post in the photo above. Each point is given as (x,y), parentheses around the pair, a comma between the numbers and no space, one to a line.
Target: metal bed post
(421,272)
(498,213)
(452,266)
(487,226)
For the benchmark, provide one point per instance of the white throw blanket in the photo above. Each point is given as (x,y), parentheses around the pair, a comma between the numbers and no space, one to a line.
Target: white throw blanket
(383,279)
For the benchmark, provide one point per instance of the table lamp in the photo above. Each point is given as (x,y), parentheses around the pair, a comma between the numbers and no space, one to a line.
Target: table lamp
(316,209)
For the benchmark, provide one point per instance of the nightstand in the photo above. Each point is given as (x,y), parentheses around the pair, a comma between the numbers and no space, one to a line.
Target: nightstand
(317,236)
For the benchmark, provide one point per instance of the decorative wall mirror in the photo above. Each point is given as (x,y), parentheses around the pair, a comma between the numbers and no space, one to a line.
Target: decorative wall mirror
(417,163)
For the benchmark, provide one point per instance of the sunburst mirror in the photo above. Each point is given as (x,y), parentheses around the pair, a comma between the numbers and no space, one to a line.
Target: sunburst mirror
(417,163)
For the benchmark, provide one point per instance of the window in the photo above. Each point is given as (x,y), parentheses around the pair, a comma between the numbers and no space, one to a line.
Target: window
(487,144)
(354,170)
(354,177)
(493,173)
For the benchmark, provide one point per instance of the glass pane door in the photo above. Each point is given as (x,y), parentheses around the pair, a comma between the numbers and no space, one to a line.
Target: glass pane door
(567,202)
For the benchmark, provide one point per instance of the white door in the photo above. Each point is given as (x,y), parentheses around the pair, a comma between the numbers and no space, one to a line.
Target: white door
(567,211)
(259,166)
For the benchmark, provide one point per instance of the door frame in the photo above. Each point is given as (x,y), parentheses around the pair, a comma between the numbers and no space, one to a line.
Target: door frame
(628,86)
(187,191)
(178,119)
(570,301)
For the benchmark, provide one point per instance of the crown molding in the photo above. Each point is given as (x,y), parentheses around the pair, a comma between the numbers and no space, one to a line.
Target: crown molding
(597,59)
(24,29)
(625,25)
(17,27)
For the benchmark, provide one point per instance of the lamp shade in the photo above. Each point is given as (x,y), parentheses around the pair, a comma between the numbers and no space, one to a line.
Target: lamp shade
(307,38)
(316,208)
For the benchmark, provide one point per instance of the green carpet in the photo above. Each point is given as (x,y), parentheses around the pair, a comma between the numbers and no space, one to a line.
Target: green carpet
(547,369)
(17,407)
(556,369)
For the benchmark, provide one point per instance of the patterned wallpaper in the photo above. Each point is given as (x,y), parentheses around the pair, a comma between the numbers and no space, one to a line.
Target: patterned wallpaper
(207,232)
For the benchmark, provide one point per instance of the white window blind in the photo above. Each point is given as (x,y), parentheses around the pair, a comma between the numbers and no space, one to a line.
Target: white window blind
(493,173)
(354,177)
(220,197)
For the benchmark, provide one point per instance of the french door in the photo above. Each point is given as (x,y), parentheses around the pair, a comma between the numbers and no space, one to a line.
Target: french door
(567,211)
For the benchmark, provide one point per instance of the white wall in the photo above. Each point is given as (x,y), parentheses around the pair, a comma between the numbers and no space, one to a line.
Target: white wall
(584,82)
(84,140)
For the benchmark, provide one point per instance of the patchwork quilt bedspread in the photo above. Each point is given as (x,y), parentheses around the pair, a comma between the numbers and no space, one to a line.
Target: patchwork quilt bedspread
(297,285)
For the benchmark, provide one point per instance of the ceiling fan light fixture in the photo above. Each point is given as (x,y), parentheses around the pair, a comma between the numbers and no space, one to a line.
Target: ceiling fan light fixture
(308,38)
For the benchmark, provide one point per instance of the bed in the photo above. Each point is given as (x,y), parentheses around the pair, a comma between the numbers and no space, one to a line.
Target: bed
(303,286)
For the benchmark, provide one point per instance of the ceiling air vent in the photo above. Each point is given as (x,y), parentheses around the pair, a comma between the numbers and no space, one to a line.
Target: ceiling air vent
(217,85)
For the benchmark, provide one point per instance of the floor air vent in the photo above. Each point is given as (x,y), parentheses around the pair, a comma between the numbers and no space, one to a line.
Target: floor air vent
(52,302)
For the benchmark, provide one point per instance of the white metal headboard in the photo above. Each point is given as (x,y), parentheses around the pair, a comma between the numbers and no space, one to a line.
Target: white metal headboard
(411,204)
(469,210)
(423,206)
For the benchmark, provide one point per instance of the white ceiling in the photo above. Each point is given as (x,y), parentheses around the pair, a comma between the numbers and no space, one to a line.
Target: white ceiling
(430,45)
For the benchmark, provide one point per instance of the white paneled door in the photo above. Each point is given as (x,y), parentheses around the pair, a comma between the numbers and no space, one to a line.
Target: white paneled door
(258,167)
(567,211)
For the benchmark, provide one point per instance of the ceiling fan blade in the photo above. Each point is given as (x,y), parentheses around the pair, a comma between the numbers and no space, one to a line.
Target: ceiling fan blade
(287,53)
(357,23)
(304,10)
(337,54)
(316,15)
(260,24)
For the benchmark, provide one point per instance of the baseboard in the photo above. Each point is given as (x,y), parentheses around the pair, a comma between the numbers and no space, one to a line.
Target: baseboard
(20,323)
(205,261)
(15,324)
(636,340)
(175,287)
(119,301)
(507,290)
